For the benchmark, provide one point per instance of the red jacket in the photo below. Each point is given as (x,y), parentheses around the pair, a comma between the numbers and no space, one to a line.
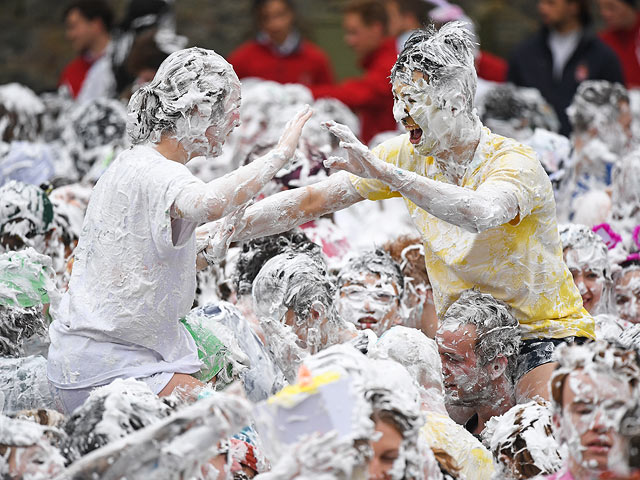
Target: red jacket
(491,67)
(74,74)
(370,94)
(308,65)
(626,44)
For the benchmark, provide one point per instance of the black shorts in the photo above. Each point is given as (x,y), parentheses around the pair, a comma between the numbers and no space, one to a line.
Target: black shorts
(536,352)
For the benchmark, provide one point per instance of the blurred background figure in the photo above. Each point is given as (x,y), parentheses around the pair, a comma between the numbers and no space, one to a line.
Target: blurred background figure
(366,30)
(279,52)
(622,34)
(561,55)
(88,26)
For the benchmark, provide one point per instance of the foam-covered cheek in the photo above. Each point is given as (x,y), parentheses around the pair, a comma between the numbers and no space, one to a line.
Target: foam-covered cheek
(399,112)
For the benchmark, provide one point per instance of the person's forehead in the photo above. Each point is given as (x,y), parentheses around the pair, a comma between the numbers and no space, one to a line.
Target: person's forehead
(629,279)
(453,334)
(593,387)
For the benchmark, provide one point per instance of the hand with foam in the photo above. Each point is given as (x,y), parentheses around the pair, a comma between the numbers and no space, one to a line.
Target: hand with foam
(219,236)
(361,161)
(289,139)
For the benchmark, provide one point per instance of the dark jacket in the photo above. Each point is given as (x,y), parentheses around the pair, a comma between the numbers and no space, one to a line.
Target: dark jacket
(531,65)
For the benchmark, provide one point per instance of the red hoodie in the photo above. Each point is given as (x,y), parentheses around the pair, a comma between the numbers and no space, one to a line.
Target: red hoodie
(74,74)
(308,65)
(370,94)
(626,44)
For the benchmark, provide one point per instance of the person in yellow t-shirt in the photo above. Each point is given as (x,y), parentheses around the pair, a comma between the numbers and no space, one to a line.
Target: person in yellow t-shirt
(482,203)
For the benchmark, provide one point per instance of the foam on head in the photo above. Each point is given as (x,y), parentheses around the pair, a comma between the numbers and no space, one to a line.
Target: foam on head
(185,98)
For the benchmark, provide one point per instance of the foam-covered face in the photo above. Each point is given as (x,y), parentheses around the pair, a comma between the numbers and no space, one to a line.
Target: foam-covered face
(386,450)
(370,301)
(206,136)
(628,296)
(593,405)
(433,120)
(37,461)
(465,381)
(588,276)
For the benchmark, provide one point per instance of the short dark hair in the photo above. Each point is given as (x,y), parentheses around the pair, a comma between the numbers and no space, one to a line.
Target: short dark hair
(92,9)
(419,8)
(370,11)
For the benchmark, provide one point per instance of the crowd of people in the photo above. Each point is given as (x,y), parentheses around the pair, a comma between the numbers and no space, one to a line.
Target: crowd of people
(193,284)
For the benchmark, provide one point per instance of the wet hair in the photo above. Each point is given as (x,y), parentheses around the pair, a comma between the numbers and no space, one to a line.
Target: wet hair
(497,330)
(297,281)
(408,423)
(377,262)
(592,99)
(609,358)
(21,112)
(407,251)
(370,11)
(419,8)
(507,102)
(188,79)
(18,324)
(443,55)
(125,405)
(91,10)
(255,253)
(524,435)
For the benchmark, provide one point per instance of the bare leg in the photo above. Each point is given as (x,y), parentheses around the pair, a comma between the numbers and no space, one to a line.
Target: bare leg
(186,385)
(535,382)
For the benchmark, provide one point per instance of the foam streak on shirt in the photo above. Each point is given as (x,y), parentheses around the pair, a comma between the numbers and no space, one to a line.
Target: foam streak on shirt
(519,262)
(130,284)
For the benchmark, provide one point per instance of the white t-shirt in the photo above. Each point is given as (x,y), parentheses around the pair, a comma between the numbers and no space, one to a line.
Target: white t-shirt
(562,46)
(130,285)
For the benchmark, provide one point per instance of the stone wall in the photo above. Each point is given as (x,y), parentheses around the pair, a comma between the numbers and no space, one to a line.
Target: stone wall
(33,49)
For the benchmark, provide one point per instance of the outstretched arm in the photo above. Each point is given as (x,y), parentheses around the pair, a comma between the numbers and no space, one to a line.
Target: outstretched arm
(285,210)
(224,195)
(474,210)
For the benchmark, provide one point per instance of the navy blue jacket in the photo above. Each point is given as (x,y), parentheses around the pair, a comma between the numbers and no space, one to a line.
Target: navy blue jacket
(531,65)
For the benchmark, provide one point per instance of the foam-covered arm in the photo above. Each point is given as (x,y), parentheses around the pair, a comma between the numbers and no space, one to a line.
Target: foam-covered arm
(214,200)
(285,210)
(489,206)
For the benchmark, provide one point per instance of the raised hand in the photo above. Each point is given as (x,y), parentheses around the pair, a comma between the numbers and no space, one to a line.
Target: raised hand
(360,161)
(289,139)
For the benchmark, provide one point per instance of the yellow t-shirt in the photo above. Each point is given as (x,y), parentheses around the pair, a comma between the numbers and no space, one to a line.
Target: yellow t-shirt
(473,459)
(519,262)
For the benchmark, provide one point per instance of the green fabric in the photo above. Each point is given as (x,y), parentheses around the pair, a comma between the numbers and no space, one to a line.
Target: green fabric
(23,282)
(211,351)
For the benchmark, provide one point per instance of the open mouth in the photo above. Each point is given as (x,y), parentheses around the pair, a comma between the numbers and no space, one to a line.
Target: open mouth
(366,322)
(415,134)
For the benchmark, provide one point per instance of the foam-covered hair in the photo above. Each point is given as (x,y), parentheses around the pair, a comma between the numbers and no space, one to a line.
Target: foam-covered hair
(498,332)
(596,101)
(189,78)
(445,56)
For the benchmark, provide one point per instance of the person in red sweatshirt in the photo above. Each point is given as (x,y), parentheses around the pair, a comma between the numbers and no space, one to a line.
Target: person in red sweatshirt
(87,24)
(279,53)
(365,23)
(622,34)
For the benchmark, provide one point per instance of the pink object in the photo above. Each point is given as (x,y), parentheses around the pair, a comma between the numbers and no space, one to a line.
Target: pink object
(608,235)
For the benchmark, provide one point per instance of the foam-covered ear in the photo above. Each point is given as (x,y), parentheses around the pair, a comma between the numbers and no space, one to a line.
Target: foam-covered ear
(498,366)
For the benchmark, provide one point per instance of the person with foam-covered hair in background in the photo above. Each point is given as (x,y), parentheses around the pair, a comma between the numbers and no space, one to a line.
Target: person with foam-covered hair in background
(408,252)
(370,288)
(114,323)
(294,299)
(586,256)
(627,291)
(517,112)
(419,355)
(482,203)
(591,391)
(479,345)
(522,442)
(600,118)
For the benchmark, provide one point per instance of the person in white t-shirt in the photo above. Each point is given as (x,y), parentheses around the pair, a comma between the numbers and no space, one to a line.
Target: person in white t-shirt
(133,277)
